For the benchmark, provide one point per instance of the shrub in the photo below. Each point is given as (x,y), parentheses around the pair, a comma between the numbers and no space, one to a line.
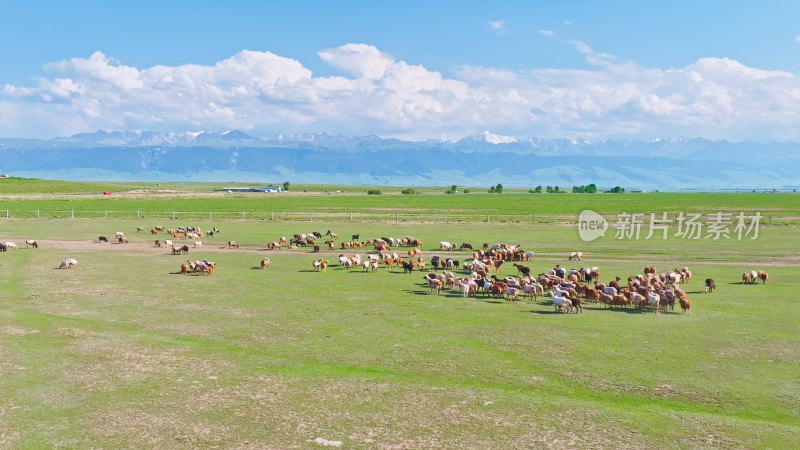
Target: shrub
(374,192)
(408,191)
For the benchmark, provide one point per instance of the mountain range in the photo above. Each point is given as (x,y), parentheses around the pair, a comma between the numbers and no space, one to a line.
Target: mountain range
(483,159)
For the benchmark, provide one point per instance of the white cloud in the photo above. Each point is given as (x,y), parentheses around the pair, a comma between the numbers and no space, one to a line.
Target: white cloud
(498,26)
(797,38)
(364,61)
(269,94)
(99,67)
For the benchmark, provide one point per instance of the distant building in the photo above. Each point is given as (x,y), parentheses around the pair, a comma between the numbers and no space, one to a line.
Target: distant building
(253,189)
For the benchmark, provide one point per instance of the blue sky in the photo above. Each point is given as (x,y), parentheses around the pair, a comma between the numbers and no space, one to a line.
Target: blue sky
(416,70)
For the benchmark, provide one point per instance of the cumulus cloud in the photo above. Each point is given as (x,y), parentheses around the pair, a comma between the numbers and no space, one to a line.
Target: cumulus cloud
(363,61)
(266,93)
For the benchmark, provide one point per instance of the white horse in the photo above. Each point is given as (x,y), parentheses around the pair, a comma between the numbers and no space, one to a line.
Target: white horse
(68,263)
(576,255)
(562,304)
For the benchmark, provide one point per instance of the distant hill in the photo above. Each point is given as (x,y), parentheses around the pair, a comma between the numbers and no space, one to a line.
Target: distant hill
(480,160)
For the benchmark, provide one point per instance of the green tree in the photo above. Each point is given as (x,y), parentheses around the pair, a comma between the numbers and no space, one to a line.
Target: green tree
(491,189)
(454,188)
(556,190)
(549,189)
(617,190)
(498,188)
(538,189)
(285,185)
(591,189)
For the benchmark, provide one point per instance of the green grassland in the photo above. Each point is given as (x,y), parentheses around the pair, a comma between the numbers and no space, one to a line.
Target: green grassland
(123,351)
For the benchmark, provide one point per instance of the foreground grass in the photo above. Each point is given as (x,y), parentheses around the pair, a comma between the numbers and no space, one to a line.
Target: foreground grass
(123,352)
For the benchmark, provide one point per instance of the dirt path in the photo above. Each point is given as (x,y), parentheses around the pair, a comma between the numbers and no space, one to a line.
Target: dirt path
(556,258)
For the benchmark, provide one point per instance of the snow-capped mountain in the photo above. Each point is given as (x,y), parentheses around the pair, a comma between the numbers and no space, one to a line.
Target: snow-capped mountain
(479,160)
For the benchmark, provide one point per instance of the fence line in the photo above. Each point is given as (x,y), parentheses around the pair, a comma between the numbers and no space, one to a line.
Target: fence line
(315,216)
(387,217)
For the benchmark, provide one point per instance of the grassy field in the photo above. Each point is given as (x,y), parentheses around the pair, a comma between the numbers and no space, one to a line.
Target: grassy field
(123,351)
(195,201)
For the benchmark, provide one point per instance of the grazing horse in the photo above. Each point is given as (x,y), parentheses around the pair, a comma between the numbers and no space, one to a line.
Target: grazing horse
(68,263)
(523,269)
(102,239)
(356,236)
(710,285)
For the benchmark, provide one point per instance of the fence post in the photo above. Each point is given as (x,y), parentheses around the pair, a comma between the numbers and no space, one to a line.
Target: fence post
(395,217)
(242,215)
(351,217)
(6,214)
(37,216)
(487,218)
(271,216)
(138,214)
(310,217)
(533,218)
(209,215)
(73,213)
(173,215)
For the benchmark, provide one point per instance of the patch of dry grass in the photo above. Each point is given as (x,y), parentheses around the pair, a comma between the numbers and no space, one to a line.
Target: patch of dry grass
(102,361)
(16,331)
(136,428)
